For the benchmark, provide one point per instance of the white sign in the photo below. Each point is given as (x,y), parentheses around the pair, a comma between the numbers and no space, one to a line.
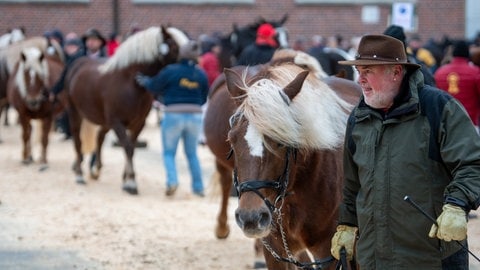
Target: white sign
(403,14)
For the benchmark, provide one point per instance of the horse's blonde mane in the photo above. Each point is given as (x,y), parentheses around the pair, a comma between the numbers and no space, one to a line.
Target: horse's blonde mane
(12,53)
(34,65)
(142,47)
(315,119)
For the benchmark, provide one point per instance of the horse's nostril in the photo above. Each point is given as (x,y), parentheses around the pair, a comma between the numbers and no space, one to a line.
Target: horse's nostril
(265,219)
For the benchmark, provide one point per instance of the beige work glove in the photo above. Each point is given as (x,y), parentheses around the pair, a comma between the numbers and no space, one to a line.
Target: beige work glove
(344,237)
(452,224)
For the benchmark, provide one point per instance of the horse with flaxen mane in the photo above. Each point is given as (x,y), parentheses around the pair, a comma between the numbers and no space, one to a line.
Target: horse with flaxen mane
(285,141)
(28,92)
(105,95)
(11,55)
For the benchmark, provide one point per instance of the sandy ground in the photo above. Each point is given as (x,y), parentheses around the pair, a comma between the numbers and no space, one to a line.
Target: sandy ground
(49,222)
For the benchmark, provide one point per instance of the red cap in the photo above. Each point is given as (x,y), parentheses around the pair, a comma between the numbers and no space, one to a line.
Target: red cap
(266,35)
(266,30)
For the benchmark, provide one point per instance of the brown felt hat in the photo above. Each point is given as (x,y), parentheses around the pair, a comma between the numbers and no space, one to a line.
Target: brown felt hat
(380,50)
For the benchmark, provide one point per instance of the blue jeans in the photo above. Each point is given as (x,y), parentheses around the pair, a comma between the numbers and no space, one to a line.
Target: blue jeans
(456,261)
(185,126)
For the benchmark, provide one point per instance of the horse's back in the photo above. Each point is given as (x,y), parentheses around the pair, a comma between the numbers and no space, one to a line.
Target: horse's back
(348,90)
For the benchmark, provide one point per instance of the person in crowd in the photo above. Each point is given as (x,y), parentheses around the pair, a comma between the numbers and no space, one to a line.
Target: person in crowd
(55,34)
(73,49)
(261,51)
(422,55)
(94,43)
(397,32)
(317,50)
(209,61)
(405,138)
(462,80)
(183,88)
(113,42)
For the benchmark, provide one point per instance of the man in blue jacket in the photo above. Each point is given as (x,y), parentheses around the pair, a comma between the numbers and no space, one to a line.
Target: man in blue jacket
(183,89)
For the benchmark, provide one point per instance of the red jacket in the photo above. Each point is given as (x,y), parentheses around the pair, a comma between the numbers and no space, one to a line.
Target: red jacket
(462,81)
(211,65)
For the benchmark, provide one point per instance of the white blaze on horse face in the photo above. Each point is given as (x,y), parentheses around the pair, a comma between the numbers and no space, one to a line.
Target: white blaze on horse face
(254,140)
(32,75)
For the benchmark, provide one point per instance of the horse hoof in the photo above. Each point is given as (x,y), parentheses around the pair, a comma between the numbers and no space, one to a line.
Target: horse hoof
(79,180)
(222,233)
(259,265)
(43,167)
(27,161)
(94,173)
(130,186)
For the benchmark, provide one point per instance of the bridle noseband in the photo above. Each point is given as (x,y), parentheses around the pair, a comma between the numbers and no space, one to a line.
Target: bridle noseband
(280,185)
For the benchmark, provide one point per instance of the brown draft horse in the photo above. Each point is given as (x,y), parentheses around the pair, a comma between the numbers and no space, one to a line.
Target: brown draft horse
(222,106)
(10,56)
(28,92)
(107,96)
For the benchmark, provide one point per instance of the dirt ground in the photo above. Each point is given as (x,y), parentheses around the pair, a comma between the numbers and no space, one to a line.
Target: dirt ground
(49,222)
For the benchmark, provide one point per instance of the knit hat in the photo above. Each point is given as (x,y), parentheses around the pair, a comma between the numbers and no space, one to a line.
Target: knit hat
(189,51)
(460,49)
(396,32)
(266,35)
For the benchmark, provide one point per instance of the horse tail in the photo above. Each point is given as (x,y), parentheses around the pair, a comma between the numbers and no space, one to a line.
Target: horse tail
(88,136)
(215,188)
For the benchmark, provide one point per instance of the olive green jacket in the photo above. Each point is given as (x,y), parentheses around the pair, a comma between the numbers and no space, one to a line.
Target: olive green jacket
(425,147)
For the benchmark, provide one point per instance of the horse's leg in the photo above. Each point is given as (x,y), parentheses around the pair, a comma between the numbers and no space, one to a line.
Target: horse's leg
(75,124)
(223,230)
(129,183)
(4,109)
(259,257)
(96,166)
(46,125)
(27,145)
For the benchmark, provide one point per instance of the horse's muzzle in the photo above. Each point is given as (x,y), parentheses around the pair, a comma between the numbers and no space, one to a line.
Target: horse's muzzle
(255,223)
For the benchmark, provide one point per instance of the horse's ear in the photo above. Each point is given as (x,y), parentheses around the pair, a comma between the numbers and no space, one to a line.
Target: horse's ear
(233,81)
(164,31)
(294,87)
(284,19)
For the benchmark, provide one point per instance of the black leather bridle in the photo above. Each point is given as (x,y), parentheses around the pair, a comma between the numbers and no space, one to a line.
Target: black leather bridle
(280,185)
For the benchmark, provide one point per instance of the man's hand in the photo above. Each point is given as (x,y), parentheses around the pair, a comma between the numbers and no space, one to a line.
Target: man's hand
(344,237)
(452,224)
(141,79)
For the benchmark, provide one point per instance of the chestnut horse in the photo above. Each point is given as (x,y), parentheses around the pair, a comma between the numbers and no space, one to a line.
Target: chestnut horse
(28,92)
(10,56)
(222,106)
(106,95)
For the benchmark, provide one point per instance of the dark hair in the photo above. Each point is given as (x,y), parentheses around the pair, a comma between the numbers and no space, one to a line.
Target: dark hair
(461,49)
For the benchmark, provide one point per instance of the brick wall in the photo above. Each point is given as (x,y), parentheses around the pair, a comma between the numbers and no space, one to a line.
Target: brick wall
(436,17)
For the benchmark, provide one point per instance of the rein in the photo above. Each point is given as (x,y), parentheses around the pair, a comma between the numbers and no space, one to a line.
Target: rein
(280,185)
